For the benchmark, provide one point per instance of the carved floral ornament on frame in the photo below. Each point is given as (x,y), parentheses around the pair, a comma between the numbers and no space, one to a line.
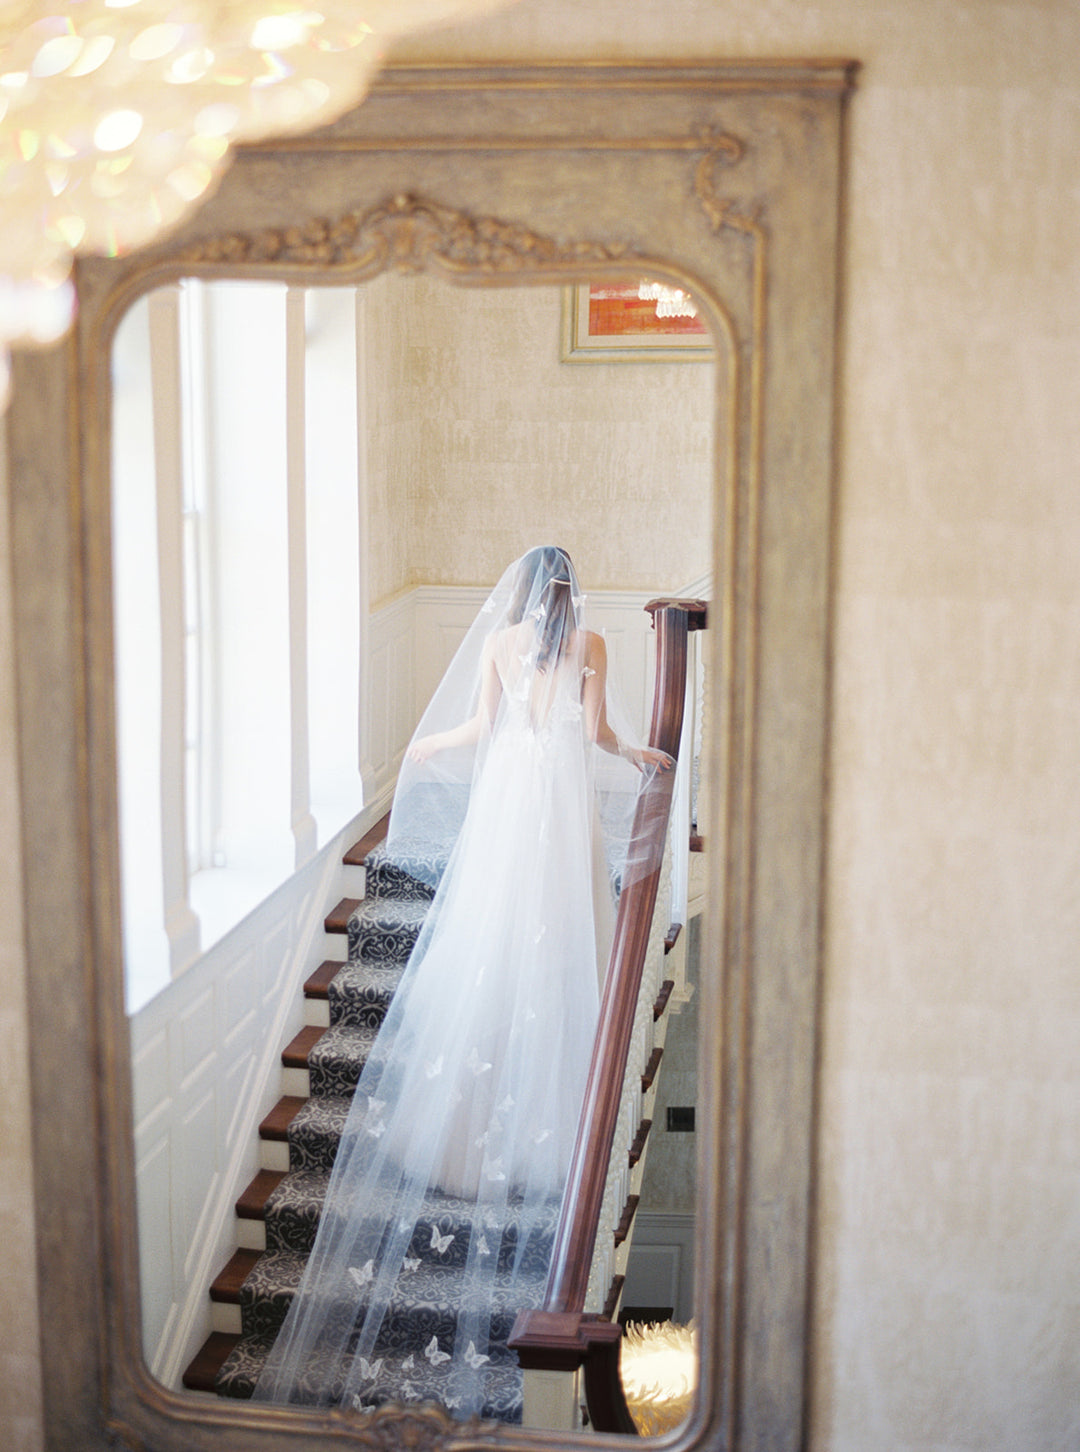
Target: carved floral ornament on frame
(642,319)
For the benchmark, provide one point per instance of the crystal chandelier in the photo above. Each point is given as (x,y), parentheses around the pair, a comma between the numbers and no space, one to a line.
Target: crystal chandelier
(118,116)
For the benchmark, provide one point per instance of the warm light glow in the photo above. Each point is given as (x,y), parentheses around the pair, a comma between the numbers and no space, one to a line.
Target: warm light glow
(279,32)
(671,302)
(58,176)
(218,119)
(658,1367)
(95,53)
(117,117)
(156,41)
(117,131)
(37,310)
(191,66)
(71,230)
(190,181)
(57,55)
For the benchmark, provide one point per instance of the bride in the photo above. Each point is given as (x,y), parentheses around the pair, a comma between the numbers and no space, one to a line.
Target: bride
(465,1115)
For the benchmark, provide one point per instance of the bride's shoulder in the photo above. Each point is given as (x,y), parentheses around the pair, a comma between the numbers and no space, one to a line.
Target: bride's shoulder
(501,642)
(590,650)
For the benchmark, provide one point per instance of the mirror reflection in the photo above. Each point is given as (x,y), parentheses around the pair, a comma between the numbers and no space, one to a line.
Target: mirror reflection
(314,491)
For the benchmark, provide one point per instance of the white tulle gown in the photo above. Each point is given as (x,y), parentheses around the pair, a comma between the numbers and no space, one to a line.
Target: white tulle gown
(509,973)
(474,1087)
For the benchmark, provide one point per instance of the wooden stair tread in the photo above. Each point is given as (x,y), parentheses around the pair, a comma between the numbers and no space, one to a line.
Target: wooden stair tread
(318,985)
(276,1124)
(227,1282)
(651,1067)
(614,1292)
(295,1053)
(201,1374)
(252,1203)
(622,1230)
(667,988)
(359,850)
(337,919)
(637,1147)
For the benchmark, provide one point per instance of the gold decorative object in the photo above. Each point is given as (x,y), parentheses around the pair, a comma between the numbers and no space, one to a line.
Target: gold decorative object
(403,234)
(658,1365)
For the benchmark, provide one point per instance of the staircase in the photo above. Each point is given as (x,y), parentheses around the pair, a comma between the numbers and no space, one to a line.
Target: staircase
(282,1205)
(347,1002)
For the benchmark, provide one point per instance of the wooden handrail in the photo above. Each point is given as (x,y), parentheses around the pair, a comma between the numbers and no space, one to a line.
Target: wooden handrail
(559,1335)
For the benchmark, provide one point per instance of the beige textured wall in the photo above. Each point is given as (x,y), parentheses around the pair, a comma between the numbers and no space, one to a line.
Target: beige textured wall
(948,1310)
(391,503)
(483,443)
(948,1315)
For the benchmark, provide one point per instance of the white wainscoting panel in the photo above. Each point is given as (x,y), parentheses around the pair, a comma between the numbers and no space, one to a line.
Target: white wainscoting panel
(444,614)
(631,647)
(206,1068)
(388,686)
(660,1269)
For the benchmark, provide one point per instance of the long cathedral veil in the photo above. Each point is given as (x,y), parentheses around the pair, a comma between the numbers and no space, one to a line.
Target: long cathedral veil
(458,1141)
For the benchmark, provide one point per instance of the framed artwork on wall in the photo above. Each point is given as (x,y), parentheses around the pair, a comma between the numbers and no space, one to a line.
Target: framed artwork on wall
(640,321)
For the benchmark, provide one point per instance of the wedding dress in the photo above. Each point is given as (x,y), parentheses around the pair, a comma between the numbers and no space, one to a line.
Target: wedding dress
(472,1091)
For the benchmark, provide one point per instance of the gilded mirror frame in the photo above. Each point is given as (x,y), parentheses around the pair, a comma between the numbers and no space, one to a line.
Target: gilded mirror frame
(724,178)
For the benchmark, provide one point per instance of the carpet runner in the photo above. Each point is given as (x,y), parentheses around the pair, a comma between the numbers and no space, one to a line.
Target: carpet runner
(381,934)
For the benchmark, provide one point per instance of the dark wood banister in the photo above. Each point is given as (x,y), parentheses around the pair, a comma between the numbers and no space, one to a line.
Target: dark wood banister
(559,1335)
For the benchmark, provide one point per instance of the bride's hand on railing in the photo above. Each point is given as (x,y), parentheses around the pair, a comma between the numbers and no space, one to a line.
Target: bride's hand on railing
(646,756)
(425,747)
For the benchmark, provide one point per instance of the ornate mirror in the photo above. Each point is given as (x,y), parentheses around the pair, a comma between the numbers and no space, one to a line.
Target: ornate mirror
(720,179)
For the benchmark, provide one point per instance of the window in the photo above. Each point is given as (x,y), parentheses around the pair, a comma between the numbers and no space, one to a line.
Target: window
(237,514)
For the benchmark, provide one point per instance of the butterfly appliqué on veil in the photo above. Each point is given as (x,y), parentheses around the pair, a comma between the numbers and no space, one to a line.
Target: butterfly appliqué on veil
(475,1063)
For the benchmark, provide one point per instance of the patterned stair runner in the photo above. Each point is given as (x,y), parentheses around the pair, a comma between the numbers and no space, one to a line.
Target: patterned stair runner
(381,935)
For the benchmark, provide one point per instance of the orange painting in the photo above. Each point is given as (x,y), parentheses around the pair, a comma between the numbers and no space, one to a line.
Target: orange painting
(618,311)
(641,321)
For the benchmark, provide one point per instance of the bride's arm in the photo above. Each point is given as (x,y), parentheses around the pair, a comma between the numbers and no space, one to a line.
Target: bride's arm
(594,700)
(469,732)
